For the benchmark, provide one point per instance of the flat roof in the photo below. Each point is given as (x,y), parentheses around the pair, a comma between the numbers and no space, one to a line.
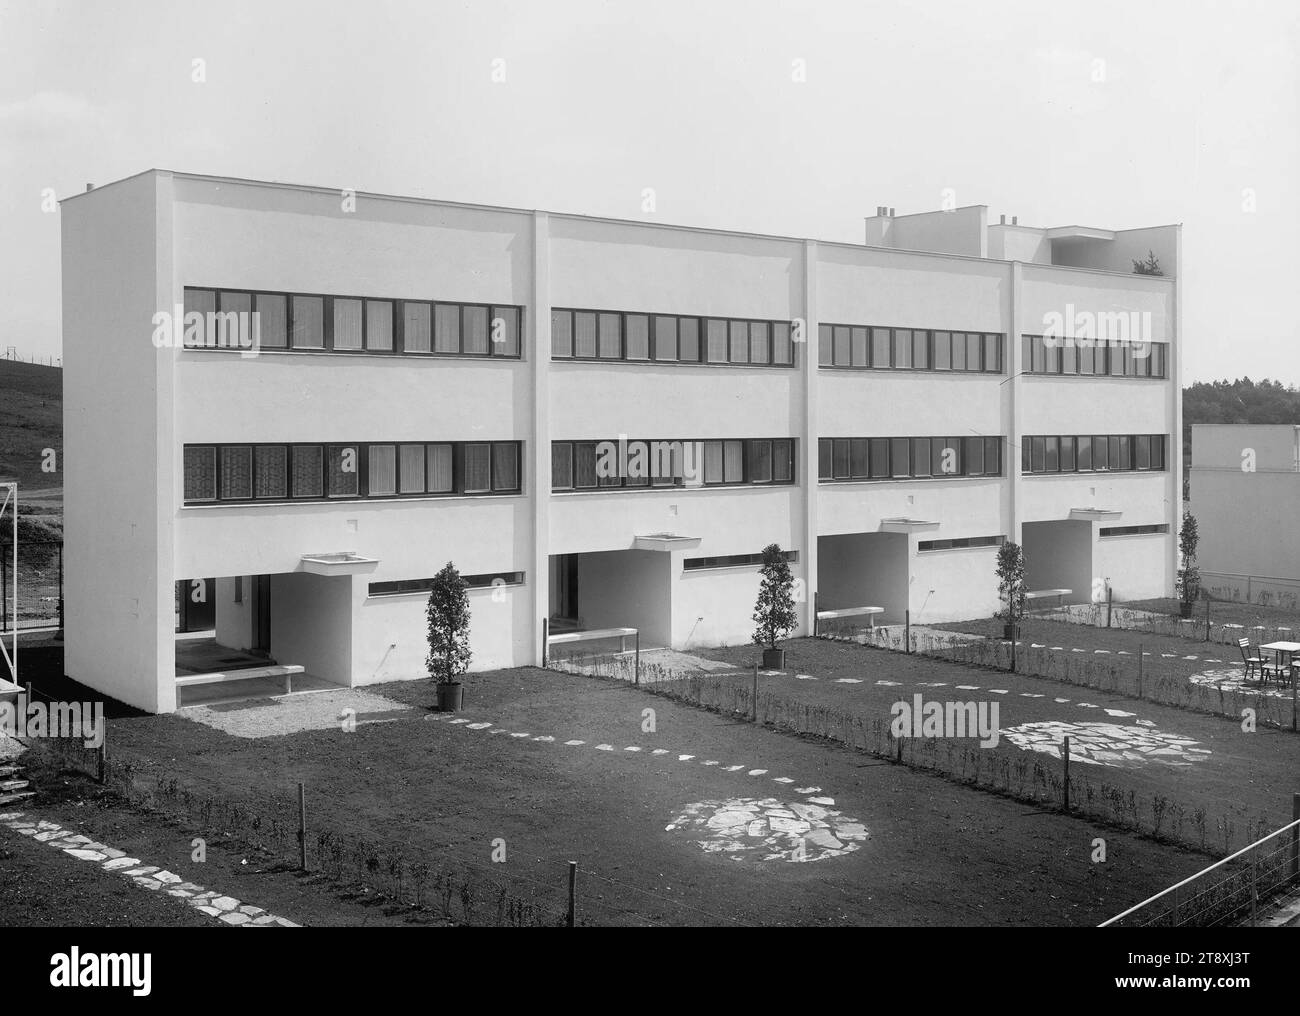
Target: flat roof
(473,206)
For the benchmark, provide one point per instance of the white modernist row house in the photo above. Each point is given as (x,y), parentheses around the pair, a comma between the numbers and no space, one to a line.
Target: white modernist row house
(601,422)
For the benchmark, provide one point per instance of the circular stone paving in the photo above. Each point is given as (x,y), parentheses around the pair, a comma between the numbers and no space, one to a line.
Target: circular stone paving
(1108,744)
(747,828)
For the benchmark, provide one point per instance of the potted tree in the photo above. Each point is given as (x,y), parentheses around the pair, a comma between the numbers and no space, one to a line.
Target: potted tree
(1189,576)
(774,616)
(447,613)
(1011,588)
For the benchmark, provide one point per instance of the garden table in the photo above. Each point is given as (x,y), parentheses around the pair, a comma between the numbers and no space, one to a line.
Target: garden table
(1284,653)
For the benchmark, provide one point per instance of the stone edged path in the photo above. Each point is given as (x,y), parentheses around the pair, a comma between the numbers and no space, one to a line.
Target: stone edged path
(225,909)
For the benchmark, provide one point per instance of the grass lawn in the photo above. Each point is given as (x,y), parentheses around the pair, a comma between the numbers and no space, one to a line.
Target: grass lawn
(937,853)
(1244,778)
(80,805)
(1226,612)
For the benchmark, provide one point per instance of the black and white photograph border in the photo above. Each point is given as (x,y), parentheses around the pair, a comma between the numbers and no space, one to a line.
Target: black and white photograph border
(608,464)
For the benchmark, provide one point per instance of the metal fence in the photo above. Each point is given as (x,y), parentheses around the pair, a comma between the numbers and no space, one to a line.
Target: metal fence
(39,583)
(1230,891)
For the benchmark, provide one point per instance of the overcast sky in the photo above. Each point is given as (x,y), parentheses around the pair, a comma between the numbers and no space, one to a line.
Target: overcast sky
(998,101)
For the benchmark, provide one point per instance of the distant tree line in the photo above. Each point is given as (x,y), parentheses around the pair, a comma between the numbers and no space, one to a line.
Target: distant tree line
(1240,401)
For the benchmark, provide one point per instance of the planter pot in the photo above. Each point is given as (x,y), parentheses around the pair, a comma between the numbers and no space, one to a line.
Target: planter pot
(774,659)
(450,696)
(1185,609)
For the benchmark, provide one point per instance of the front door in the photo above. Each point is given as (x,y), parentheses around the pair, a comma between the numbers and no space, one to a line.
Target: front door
(262,614)
(564,587)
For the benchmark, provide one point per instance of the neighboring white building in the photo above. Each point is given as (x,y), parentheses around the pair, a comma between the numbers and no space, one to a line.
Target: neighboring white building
(432,379)
(1245,481)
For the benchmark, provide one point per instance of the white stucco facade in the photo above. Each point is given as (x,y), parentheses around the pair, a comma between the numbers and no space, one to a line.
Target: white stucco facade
(132,248)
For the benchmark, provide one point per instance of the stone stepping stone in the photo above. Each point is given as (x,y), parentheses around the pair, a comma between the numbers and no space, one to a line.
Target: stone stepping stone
(1057,649)
(251,911)
(499,730)
(459,720)
(888,684)
(46,836)
(968,687)
(83,854)
(684,758)
(847,680)
(782,779)
(479,726)
(804,677)
(660,751)
(1030,694)
(520,735)
(604,747)
(265,919)
(573,744)
(146,870)
(225,903)
(1076,650)
(114,852)
(997,691)
(1101,652)
(210,911)
(732,769)
(807,790)
(631,747)
(235,918)
(169,878)
(828,801)
(545,738)
(148,883)
(710,762)
(284,922)
(757,772)
(118,863)
(183,893)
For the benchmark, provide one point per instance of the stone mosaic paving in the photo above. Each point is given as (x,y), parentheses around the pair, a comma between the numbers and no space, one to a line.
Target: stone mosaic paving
(225,909)
(1108,744)
(768,829)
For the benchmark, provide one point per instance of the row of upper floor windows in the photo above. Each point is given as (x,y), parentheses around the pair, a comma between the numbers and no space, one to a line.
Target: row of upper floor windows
(305,322)
(308,471)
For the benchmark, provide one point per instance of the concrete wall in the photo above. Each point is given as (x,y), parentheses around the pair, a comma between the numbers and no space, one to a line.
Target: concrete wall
(953,585)
(864,570)
(235,621)
(1132,564)
(1059,555)
(311,624)
(117,410)
(627,589)
(1276,447)
(715,606)
(956,231)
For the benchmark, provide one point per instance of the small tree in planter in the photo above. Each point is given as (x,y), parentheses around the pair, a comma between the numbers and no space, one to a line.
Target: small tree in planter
(1011,590)
(774,615)
(1189,576)
(447,614)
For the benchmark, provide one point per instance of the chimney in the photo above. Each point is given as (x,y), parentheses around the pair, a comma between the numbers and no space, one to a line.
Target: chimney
(891,213)
(1004,221)
(90,187)
(1015,220)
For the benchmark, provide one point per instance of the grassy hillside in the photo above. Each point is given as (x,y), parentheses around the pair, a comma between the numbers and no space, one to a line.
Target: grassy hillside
(31,420)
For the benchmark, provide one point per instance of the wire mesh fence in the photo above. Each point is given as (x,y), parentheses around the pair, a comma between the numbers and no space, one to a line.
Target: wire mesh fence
(1037,778)
(1231,891)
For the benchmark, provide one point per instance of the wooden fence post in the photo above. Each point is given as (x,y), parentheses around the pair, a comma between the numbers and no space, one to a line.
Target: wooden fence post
(103,757)
(546,638)
(907,618)
(1109,598)
(636,672)
(302,825)
(1207,619)
(1065,755)
(571,917)
(1295,836)
(1139,670)
(755,704)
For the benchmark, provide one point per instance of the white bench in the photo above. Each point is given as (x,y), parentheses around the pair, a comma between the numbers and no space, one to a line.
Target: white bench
(251,674)
(829,615)
(1042,594)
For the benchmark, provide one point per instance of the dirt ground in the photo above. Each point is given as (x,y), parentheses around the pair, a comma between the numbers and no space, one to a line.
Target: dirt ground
(934,853)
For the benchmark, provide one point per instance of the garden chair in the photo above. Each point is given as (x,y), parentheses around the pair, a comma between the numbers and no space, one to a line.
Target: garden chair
(1252,662)
(1275,668)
